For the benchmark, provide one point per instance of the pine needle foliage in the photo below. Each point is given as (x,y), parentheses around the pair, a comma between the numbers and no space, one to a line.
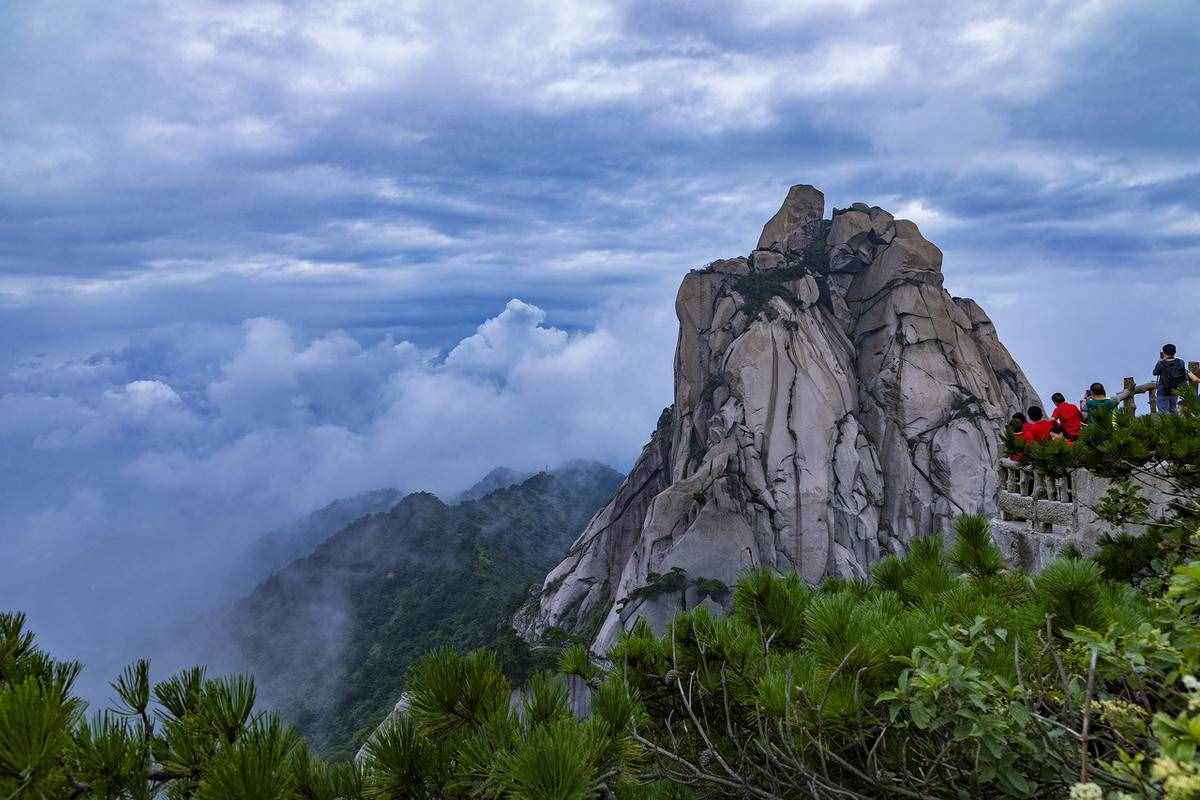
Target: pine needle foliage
(1124,556)
(776,604)
(191,737)
(1069,591)
(400,760)
(811,676)
(554,762)
(453,692)
(974,552)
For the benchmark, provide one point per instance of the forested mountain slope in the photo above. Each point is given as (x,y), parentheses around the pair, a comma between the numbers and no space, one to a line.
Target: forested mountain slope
(331,635)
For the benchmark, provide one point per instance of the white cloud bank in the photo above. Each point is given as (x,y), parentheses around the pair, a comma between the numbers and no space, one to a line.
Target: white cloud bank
(135,500)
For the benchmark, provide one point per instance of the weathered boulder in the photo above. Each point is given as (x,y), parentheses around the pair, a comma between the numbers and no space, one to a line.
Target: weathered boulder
(766,260)
(788,229)
(826,411)
(731,266)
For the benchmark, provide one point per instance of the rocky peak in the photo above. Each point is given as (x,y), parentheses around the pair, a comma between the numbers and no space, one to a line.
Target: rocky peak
(832,401)
(790,229)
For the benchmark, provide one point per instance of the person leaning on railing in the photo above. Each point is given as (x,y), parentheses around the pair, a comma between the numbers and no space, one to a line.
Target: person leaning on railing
(1017,423)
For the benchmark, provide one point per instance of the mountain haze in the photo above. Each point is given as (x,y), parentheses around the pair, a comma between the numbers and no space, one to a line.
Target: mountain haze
(499,478)
(330,636)
(287,543)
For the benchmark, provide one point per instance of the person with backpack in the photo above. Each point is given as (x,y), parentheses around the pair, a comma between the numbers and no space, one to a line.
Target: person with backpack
(1172,375)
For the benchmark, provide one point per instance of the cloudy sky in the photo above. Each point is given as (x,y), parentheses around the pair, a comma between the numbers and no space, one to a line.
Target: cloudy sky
(258,255)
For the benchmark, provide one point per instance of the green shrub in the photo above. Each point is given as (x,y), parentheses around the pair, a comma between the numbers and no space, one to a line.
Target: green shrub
(891,572)
(927,550)
(777,603)
(1069,591)
(1125,556)
(974,552)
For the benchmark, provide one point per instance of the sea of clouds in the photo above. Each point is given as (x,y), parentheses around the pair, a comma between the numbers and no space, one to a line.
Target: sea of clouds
(135,496)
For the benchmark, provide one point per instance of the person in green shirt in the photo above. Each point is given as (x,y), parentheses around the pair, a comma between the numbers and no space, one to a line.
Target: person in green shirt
(1099,404)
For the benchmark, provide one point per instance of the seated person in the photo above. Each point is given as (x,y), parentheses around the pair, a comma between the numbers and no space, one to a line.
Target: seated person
(1038,428)
(1067,415)
(1099,404)
(1017,423)
(1058,433)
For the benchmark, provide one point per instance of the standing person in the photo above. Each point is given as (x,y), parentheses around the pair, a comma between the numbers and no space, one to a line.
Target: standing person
(1172,374)
(1067,415)
(1099,404)
(1038,428)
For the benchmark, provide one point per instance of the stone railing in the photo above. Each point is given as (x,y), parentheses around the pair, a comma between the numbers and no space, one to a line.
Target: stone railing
(1023,481)
(1040,514)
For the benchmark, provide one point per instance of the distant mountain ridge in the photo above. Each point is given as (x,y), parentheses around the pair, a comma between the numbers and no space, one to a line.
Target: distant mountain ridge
(296,540)
(499,478)
(330,635)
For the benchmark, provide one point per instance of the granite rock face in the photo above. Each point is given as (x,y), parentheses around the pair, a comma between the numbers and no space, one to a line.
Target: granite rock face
(832,401)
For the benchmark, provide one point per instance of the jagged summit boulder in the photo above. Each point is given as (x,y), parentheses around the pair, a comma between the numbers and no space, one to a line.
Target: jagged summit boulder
(832,401)
(791,227)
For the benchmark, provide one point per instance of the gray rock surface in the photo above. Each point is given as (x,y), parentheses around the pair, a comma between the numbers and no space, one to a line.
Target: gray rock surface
(398,711)
(831,403)
(787,230)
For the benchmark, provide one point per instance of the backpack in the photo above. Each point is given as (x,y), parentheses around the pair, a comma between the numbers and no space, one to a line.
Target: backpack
(1173,375)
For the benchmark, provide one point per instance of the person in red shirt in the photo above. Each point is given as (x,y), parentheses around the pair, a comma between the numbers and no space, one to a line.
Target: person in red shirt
(1068,416)
(1038,428)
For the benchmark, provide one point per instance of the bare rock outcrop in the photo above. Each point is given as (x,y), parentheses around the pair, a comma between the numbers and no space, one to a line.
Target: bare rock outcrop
(832,401)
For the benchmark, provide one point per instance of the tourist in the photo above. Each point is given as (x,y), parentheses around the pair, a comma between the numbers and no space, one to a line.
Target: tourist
(1038,428)
(1099,404)
(1067,415)
(1016,427)
(1017,423)
(1172,375)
